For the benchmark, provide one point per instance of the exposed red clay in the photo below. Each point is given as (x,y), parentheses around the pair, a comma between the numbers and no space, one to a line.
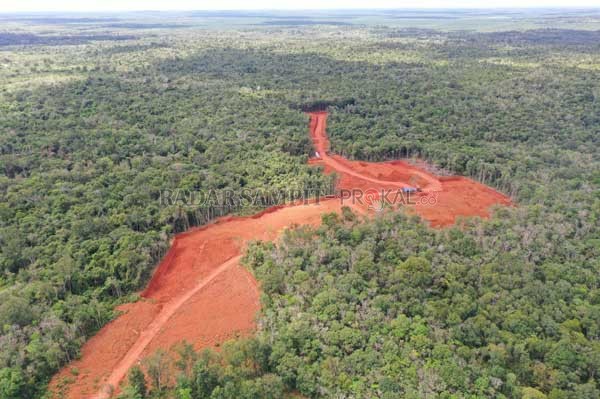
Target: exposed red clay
(200,293)
(441,199)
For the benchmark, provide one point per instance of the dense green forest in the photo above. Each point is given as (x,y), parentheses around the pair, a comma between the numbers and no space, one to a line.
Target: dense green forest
(95,123)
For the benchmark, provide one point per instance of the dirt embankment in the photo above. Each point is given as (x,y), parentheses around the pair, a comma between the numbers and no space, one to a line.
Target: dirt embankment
(200,293)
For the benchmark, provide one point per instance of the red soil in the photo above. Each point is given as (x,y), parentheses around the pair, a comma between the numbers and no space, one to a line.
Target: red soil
(441,199)
(200,293)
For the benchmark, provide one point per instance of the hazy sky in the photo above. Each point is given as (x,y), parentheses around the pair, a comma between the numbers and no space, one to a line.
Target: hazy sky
(107,5)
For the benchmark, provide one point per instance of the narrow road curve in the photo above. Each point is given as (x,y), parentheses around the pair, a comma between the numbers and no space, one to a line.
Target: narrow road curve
(318,122)
(134,354)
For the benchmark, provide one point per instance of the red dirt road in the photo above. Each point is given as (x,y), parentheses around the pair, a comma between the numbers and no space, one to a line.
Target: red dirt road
(318,125)
(148,334)
(200,293)
(440,201)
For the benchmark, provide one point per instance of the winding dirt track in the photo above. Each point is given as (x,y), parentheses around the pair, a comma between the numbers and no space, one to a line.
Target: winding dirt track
(318,126)
(199,293)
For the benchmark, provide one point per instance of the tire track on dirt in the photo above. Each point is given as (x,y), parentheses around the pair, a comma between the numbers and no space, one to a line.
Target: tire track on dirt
(318,134)
(146,336)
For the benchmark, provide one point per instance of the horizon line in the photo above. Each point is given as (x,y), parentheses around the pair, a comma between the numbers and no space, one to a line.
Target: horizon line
(566,7)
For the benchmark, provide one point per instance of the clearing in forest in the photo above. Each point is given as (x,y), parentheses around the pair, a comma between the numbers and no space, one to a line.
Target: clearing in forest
(201,294)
